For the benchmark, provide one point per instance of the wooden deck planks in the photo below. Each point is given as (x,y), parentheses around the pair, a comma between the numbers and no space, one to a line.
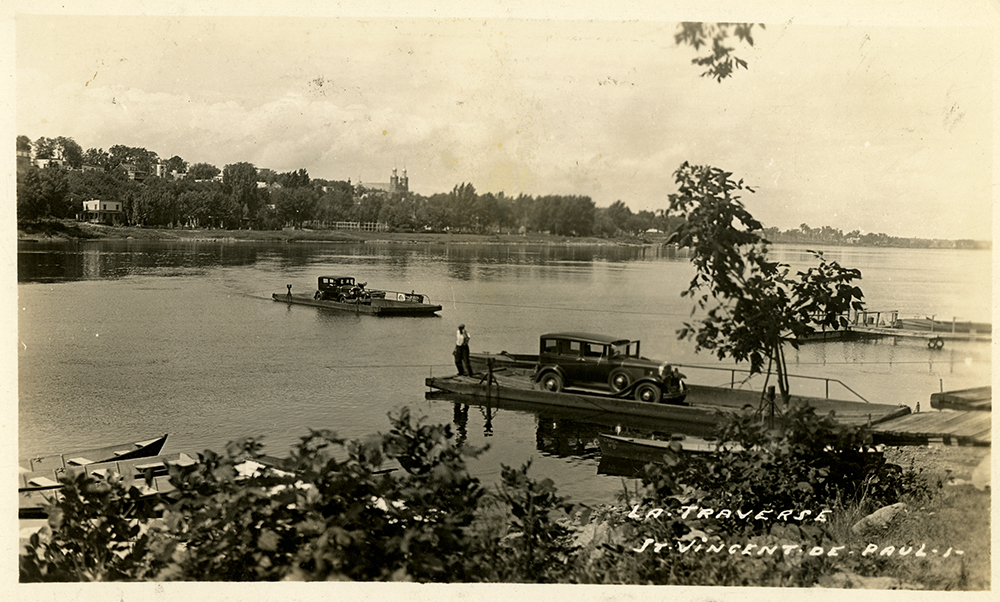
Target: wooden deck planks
(974,427)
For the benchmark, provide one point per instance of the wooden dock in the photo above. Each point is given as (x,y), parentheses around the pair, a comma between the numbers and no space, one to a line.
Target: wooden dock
(977,399)
(946,427)
(962,418)
(935,339)
(870,323)
(923,428)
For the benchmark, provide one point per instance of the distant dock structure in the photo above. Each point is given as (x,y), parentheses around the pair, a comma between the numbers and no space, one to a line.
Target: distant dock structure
(869,323)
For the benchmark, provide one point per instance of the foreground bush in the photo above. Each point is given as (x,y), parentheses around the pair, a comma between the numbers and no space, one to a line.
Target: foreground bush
(403,506)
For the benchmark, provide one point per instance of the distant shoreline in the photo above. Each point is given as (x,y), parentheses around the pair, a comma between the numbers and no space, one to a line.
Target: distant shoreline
(56,230)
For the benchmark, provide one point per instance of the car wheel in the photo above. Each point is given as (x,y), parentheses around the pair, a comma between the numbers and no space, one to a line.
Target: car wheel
(552,382)
(619,380)
(648,392)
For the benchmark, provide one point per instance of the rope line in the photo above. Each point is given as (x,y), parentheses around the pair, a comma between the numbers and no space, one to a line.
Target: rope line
(599,311)
(690,365)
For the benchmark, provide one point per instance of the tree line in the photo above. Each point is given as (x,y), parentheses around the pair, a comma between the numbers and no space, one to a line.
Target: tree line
(203,199)
(240,195)
(834,236)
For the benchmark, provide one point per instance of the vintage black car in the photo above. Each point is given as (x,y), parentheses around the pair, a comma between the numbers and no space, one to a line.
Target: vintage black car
(568,359)
(342,288)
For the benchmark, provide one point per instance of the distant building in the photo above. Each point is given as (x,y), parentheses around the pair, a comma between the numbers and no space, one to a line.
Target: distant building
(56,160)
(133,172)
(102,212)
(53,162)
(395,185)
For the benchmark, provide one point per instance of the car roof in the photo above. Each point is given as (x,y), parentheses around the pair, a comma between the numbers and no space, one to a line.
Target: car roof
(587,337)
(336,277)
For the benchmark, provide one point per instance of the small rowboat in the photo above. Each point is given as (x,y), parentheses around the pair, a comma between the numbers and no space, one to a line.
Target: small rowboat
(655,450)
(148,475)
(122,451)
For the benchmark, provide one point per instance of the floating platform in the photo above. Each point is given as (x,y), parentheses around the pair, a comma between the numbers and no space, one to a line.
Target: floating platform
(870,323)
(953,326)
(707,405)
(935,339)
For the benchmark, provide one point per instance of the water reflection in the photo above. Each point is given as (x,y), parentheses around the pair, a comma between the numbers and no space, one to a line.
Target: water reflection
(111,260)
(571,434)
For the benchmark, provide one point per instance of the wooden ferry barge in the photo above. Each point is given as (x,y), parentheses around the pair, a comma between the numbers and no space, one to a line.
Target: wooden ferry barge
(706,405)
(342,293)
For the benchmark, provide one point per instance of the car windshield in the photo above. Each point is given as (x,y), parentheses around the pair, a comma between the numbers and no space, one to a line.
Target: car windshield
(623,349)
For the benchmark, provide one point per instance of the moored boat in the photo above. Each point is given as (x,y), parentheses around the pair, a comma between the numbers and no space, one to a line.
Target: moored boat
(110,453)
(653,450)
(343,293)
(148,475)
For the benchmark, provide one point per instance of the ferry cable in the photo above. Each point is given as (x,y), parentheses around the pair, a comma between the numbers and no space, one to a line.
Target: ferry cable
(601,311)
(863,363)
(694,366)
(392,366)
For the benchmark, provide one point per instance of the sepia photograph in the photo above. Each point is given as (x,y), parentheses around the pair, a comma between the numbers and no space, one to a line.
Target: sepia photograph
(472,300)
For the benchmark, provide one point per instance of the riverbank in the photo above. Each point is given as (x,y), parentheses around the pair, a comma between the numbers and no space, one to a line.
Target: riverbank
(54,230)
(50,230)
(957,515)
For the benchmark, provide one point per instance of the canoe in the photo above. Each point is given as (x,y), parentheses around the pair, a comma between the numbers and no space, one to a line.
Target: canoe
(707,404)
(122,451)
(399,304)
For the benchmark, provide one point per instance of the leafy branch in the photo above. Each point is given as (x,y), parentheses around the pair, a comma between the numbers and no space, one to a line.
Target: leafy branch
(720,63)
(751,305)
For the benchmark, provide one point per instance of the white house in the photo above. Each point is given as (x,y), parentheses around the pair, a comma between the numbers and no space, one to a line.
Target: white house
(102,212)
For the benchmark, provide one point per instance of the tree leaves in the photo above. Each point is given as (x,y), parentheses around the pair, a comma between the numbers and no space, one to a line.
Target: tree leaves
(720,63)
(752,305)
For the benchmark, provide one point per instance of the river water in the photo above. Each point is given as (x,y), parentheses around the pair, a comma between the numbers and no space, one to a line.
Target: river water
(123,340)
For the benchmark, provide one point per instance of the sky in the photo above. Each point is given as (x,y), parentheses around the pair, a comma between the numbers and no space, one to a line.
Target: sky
(878,122)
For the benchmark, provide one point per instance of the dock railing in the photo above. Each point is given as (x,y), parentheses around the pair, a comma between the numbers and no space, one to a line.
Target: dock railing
(733,382)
